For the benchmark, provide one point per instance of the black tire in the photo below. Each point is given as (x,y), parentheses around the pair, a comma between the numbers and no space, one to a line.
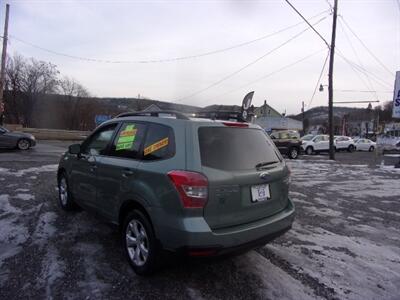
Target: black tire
(371,149)
(64,195)
(293,153)
(23,144)
(149,242)
(309,150)
(351,148)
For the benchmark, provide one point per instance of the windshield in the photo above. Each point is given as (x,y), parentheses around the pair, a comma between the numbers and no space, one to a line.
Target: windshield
(307,137)
(3,130)
(235,148)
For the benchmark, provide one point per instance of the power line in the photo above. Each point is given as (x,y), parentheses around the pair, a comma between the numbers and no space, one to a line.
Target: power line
(365,46)
(364,71)
(249,64)
(369,85)
(88,59)
(311,26)
(319,79)
(362,91)
(270,74)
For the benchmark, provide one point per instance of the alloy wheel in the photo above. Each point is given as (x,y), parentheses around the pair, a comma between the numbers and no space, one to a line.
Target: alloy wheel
(63,191)
(137,242)
(24,144)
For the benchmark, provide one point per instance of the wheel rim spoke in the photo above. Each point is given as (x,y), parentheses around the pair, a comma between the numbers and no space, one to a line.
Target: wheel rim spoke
(131,241)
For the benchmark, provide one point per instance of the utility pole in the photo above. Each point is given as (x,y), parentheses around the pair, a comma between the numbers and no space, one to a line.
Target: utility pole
(330,85)
(302,116)
(3,65)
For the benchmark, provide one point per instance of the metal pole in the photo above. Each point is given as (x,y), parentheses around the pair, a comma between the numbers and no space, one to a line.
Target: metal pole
(302,114)
(3,65)
(330,86)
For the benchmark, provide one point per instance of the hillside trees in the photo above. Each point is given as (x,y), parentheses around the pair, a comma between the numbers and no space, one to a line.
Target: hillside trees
(29,81)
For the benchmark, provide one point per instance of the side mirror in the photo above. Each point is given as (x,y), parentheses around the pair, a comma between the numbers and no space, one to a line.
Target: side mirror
(74,149)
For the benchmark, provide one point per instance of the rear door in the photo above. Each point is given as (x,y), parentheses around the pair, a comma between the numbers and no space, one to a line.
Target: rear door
(240,192)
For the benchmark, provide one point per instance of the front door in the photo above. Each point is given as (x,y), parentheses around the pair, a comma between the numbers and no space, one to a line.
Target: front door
(116,172)
(84,166)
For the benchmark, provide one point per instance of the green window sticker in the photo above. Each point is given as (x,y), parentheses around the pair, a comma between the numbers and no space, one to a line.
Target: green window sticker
(126,138)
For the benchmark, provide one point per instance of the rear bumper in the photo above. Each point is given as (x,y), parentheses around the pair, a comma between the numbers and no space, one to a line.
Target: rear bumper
(196,236)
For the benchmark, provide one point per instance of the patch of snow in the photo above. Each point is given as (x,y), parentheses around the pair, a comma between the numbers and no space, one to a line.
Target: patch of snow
(360,263)
(24,197)
(277,284)
(45,228)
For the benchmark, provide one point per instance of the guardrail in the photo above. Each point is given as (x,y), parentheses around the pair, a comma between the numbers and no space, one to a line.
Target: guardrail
(50,134)
(56,134)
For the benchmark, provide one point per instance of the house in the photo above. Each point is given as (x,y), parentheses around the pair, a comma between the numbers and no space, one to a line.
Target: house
(271,120)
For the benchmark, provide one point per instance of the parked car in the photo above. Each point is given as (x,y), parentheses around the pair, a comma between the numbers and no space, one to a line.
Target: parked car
(318,143)
(14,139)
(190,186)
(365,145)
(287,142)
(344,143)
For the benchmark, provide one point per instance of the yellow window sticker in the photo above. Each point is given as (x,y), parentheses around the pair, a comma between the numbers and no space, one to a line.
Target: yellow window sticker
(126,138)
(156,146)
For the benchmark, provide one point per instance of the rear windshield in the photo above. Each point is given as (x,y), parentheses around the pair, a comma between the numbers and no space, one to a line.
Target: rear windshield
(235,148)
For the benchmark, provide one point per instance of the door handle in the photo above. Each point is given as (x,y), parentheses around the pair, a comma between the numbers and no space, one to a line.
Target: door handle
(93,168)
(127,173)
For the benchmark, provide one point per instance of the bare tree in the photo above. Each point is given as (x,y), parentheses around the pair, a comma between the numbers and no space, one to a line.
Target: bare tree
(74,93)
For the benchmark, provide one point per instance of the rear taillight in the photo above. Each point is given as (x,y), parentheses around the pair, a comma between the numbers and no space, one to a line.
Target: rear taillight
(192,188)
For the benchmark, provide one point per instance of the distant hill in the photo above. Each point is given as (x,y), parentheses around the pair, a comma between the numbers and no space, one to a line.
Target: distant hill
(136,104)
(317,115)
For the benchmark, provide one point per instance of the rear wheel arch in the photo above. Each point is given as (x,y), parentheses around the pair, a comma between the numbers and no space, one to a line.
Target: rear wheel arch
(130,205)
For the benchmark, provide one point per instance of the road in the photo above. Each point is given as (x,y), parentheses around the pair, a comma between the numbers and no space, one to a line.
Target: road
(345,242)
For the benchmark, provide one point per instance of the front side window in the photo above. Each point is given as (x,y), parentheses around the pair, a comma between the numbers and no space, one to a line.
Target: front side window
(98,142)
(128,141)
(159,143)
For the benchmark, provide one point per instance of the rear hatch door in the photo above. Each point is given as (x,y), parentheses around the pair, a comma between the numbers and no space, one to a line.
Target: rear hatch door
(246,175)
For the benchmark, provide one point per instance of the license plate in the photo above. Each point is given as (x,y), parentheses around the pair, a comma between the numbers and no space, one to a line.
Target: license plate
(260,192)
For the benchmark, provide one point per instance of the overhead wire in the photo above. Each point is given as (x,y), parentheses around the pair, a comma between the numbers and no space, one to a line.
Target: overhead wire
(366,47)
(308,23)
(249,64)
(362,70)
(319,79)
(368,84)
(270,74)
(181,58)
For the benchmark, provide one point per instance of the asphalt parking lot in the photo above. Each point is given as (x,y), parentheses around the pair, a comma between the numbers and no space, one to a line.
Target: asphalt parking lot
(345,242)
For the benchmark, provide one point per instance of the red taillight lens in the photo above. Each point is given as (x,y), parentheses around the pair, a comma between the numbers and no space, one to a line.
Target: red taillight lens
(235,124)
(192,188)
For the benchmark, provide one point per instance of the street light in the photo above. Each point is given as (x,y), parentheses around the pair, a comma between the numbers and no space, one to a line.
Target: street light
(321,87)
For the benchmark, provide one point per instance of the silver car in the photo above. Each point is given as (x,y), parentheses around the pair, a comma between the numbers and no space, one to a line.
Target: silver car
(20,140)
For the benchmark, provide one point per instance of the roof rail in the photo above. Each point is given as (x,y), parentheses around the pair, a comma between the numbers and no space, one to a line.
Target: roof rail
(222,115)
(178,115)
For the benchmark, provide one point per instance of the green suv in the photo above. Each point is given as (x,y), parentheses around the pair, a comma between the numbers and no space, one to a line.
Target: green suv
(198,187)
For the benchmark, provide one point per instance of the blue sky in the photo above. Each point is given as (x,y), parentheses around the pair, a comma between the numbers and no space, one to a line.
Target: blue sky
(145,30)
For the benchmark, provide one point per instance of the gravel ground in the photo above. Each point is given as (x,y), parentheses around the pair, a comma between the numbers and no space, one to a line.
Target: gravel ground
(345,242)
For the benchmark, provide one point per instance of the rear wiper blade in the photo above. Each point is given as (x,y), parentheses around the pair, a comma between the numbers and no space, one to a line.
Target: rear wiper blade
(263,164)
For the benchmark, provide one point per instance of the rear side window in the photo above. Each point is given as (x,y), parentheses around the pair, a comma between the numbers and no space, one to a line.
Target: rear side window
(128,141)
(235,148)
(159,143)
